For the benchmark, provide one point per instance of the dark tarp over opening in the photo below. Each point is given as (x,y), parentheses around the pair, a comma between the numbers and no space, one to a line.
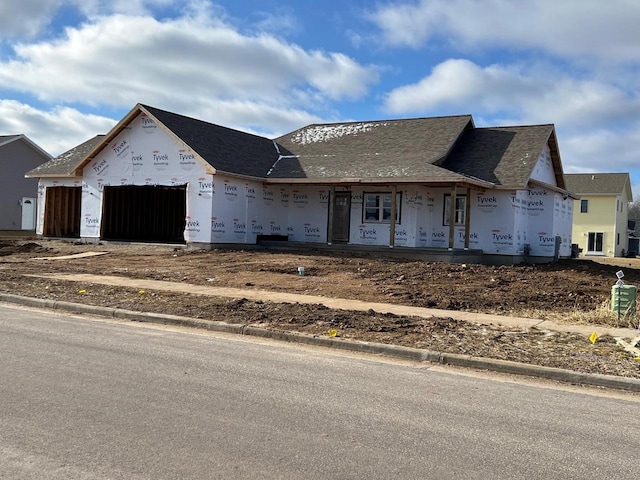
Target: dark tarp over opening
(147,213)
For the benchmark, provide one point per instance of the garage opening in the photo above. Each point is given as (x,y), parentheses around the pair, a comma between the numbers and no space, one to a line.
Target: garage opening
(144,213)
(62,212)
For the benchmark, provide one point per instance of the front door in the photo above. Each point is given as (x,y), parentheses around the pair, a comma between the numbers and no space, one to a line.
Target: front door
(341,217)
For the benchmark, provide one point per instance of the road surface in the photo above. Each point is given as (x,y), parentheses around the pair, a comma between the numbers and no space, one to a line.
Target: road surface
(84,398)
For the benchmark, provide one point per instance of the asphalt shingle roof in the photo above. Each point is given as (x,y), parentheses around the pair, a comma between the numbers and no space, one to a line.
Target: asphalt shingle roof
(436,148)
(378,149)
(225,149)
(596,183)
(65,164)
(501,155)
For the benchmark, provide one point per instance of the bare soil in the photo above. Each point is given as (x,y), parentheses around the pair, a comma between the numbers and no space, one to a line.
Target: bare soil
(575,290)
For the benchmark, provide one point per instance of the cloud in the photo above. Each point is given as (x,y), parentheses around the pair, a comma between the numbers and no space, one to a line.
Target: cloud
(598,123)
(600,150)
(524,93)
(92,8)
(198,61)
(571,28)
(56,130)
(26,18)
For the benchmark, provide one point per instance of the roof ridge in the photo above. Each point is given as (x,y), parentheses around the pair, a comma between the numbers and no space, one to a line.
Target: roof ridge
(352,122)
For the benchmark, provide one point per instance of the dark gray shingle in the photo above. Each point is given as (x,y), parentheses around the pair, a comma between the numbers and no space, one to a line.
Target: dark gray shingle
(379,149)
(501,155)
(225,149)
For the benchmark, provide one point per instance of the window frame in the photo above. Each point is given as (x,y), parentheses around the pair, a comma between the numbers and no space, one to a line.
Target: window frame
(381,207)
(593,239)
(584,205)
(461,210)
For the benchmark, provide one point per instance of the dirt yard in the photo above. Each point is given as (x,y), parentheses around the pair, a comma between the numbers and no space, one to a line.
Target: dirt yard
(570,291)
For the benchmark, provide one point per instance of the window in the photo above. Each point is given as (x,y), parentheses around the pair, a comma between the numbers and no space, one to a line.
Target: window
(617,239)
(377,207)
(584,206)
(460,213)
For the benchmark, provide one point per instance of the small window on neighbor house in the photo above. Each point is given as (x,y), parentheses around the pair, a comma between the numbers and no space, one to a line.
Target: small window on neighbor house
(377,207)
(618,239)
(584,206)
(460,213)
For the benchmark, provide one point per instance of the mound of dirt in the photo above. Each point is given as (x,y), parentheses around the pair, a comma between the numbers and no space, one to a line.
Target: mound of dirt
(12,247)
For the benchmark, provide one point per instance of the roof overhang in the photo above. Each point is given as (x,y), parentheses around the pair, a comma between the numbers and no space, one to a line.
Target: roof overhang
(556,161)
(33,145)
(562,191)
(435,182)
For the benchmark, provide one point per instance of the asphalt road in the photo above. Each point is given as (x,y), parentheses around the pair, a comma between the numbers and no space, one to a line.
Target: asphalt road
(85,398)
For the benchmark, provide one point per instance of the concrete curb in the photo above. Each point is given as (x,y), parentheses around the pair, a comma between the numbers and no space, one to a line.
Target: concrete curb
(419,355)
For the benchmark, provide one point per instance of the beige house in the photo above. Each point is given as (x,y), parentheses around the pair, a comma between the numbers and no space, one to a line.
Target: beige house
(600,216)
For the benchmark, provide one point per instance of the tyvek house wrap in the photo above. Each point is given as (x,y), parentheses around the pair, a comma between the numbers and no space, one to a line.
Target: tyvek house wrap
(143,154)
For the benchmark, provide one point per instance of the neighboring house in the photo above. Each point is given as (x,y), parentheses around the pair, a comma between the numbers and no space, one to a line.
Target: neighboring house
(600,219)
(159,176)
(18,155)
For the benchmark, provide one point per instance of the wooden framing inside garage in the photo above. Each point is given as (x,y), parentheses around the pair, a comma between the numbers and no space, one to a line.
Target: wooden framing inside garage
(62,215)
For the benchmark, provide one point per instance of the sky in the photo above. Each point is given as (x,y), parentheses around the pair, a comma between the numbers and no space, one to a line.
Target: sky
(71,69)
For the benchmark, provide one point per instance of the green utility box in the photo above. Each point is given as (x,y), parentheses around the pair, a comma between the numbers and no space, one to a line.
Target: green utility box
(623,299)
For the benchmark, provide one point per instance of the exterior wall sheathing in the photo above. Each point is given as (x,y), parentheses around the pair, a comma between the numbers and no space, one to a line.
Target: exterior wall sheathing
(223,209)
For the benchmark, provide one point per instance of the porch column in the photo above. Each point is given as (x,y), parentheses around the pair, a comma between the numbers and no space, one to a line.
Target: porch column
(467,220)
(392,225)
(452,216)
(332,201)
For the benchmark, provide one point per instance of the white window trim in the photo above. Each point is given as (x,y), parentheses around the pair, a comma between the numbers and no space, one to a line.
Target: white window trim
(461,210)
(381,207)
(595,252)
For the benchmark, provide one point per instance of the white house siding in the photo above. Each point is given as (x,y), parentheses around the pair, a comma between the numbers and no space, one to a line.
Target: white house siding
(375,233)
(228,202)
(45,183)
(562,222)
(543,170)
(550,216)
(519,201)
(621,220)
(145,154)
(308,213)
(493,222)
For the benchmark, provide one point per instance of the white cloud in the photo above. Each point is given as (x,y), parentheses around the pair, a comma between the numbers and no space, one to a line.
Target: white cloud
(524,93)
(28,18)
(600,150)
(598,123)
(56,130)
(92,8)
(25,17)
(121,60)
(570,28)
